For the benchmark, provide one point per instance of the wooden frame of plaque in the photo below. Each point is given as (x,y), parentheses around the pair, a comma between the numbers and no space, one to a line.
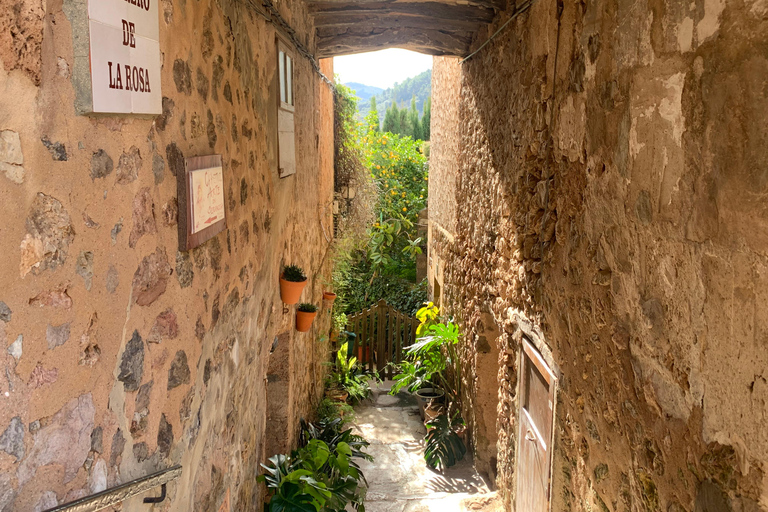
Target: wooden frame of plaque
(202,209)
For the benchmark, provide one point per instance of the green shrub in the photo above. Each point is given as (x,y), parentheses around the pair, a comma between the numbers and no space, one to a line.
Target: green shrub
(330,409)
(307,308)
(348,376)
(320,476)
(294,273)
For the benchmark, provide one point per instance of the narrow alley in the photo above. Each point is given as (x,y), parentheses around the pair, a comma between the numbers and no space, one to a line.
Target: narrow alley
(398,479)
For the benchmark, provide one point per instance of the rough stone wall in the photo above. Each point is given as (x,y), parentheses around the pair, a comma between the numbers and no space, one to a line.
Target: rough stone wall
(444,150)
(610,190)
(121,355)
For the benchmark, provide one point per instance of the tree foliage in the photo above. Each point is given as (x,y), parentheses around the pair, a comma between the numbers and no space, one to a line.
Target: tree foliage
(384,266)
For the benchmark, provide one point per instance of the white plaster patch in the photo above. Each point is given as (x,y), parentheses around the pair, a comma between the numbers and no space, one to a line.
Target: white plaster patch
(10,148)
(685,35)
(15,173)
(11,156)
(710,23)
(671,107)
(15,349)
(98,479)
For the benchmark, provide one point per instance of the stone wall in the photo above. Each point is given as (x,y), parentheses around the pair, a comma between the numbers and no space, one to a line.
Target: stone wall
(610,191)
(121,355)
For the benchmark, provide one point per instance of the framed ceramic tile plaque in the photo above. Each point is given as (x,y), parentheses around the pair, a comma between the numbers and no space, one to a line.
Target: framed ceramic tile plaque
(203,200)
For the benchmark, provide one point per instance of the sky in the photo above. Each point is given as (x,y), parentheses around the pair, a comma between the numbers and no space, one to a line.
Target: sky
(382,68)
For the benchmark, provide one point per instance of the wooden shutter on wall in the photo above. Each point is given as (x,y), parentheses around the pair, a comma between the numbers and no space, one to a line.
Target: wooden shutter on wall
(286,134)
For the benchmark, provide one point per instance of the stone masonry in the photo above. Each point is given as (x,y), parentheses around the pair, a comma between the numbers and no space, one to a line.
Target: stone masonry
(122,355)
(609,189)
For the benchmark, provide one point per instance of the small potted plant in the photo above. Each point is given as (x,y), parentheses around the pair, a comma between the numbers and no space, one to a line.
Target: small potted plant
(292,283)
(329,297)
(305,315)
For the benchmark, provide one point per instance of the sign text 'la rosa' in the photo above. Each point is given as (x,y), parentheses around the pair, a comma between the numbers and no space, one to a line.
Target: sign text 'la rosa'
(125,56)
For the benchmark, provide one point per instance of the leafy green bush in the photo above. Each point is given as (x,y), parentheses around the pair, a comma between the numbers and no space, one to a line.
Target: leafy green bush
(314,478)
(348,376)
(307,308)
(381,262)
(322,474)
(329,410)
(294,273)
(433,361)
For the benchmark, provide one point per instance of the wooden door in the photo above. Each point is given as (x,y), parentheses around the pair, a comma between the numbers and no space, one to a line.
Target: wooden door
(537,398)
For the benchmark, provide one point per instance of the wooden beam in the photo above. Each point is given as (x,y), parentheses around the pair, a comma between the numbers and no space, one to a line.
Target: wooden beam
(431,42)
(498,5)
(436,10)
(331,29)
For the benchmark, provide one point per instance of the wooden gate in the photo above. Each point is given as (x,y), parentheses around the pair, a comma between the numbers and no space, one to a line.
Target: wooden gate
(381,334)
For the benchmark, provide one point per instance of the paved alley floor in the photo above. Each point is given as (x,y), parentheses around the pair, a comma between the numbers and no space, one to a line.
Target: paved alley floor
(399,479)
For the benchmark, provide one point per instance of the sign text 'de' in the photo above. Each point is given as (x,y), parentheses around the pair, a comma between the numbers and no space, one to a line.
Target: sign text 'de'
(125,56)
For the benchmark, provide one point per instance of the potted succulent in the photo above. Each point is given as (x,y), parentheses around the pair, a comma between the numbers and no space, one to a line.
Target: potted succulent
(292,283)
(305,315)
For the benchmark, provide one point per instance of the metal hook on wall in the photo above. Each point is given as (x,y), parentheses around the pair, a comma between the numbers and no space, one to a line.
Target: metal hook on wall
(157,499)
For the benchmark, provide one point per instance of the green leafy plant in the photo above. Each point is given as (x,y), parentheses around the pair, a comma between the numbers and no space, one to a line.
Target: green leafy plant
(339,322)
(307,308)
(444,448)
(347,375)
(320,476)
(293,488)
(329,410)
(332,433)
(433,360)
(294,274)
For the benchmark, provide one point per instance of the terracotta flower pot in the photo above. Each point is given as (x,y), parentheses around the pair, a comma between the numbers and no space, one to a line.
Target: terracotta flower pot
(329,296)
(290,291)
(304,320)
(363,354)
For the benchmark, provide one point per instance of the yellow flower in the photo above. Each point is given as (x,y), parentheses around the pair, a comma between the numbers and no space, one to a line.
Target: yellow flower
(405,209)
(403,193)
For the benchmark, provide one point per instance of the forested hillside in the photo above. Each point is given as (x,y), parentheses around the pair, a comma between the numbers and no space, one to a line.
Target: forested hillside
(420,87)
(364,92)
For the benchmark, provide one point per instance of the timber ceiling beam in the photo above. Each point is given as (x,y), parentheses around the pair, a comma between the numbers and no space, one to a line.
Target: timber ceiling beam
(430,42)
(435,27)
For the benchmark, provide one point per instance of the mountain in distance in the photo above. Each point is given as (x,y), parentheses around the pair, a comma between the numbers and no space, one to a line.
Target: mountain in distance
(364,92)
(419,86)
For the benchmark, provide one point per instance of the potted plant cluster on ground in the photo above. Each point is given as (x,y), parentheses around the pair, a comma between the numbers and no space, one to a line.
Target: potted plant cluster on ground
(292,283)
(305,315)
(322,474)
(431,370)
(346,381)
